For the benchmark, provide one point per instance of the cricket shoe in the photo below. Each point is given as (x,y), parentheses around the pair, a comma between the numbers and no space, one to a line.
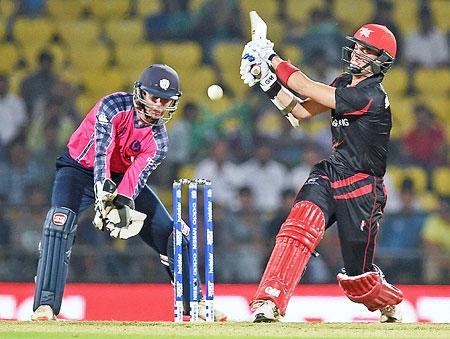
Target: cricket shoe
(218,314)
(265,311)
(391,314)
(43,313)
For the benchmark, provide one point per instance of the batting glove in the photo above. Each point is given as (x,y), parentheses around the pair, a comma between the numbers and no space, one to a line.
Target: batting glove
(269,83)
(249,62)
(263,47)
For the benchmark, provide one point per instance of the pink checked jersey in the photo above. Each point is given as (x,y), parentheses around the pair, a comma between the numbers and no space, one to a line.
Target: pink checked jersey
(112,140)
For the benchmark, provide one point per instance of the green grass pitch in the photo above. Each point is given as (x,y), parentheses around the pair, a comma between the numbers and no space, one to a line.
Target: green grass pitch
(95,330)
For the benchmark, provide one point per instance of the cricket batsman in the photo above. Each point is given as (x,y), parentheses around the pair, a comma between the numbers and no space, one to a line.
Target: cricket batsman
(346,188)
(108,160)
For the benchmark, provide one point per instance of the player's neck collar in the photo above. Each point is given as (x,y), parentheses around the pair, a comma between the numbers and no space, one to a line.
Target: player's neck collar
(376,78)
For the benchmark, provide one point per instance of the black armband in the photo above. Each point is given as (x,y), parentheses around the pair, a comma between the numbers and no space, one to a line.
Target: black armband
(273,90)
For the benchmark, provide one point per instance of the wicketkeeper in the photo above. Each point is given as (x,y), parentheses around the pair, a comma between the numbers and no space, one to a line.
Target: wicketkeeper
(108,160)
(347,188)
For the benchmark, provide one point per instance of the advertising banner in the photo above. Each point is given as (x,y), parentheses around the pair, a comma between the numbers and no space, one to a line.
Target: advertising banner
(154,302)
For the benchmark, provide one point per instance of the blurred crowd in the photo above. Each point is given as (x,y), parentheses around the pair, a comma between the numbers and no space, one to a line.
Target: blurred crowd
(255,159)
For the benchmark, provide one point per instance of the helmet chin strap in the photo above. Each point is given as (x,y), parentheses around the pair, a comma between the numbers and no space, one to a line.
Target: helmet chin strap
(146,119)
(357,70)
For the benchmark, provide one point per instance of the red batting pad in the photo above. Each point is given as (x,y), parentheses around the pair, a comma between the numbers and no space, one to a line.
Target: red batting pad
(298,237)
(370,289)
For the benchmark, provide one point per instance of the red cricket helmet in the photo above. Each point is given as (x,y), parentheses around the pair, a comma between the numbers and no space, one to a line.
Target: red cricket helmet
(377,38)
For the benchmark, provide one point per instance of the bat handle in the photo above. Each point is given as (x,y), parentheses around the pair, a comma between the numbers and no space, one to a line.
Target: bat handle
(256,70)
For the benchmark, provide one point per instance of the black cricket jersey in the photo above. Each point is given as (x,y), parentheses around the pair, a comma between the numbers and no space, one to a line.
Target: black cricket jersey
(360,126)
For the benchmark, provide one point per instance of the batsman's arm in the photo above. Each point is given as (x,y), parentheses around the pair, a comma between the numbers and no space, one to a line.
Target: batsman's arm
(322,97)
(303,109)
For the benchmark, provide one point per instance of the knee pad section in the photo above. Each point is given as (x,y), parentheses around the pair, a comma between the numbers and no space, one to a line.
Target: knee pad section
(370,289)
(305,223)
(54,257)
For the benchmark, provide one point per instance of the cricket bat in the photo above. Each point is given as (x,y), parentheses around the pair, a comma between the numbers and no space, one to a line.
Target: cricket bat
(259,31)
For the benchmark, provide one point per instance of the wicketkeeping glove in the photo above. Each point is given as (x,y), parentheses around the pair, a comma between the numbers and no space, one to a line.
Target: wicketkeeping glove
(105,192)
(123,221)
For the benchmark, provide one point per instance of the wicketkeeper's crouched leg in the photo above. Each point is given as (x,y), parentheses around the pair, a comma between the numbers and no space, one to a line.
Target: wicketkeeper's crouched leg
(54,257)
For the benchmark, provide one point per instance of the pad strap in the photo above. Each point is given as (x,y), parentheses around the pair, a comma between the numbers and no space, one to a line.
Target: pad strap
(370,289)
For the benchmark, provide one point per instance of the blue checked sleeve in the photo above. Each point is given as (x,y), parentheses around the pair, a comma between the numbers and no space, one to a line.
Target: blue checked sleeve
(104,135)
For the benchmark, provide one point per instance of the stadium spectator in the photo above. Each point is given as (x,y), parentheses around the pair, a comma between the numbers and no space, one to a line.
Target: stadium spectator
(384,15)
(215,21)
(212,126)
(265,176)
(242,240)
(311,154)
(399,239)
(12,114)
(435,234)
(321,69)
(49,148)
(279,216)
(39,84)
(323,30)
(428,46)
(59,108)
(30,8)
(5,223)
(284,139)
(18,172)
(181,142)
(7,257)
(219,168)
(394,202)
(172,22)
(426,143)
(28,223)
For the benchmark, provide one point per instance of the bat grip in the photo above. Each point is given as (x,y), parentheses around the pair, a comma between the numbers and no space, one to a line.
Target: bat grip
(256,70)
